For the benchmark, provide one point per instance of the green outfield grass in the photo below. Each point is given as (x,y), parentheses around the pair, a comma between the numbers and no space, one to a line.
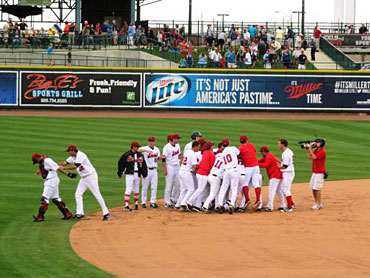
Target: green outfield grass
(30,249)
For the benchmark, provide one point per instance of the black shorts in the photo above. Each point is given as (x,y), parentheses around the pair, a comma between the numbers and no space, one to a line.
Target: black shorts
(221,42)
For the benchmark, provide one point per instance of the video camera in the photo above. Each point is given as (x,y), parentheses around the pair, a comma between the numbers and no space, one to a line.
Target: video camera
(306,144)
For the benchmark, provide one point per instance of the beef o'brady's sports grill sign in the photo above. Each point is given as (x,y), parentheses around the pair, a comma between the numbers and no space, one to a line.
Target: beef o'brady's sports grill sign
(254,91)
(349,40)
(80,89)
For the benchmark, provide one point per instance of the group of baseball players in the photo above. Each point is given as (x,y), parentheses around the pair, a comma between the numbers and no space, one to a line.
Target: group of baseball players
(202,178)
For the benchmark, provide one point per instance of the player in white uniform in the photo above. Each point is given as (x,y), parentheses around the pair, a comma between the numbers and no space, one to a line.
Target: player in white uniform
(230,157)
(195,136)
(48,171)
(171,165)
(89,180)
(214,179)
(287,168)
(189,162)
(151,155)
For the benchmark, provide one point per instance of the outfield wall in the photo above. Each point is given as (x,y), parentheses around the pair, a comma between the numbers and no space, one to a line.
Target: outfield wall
(140,88)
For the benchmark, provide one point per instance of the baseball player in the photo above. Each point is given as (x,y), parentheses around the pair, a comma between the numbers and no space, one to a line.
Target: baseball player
(214,179)
(287,168)
(48,171)
(171,165)
(252,171)
(89,180)
(270,161)
(230,178)
(151,154)
(189,162)
(195,136)
(205,166)
(132,163)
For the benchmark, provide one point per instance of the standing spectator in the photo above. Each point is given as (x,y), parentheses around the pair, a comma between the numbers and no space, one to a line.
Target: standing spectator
(240,59)
(131,32)
(150,36)
(182,62)
(290,36)
(299,40)
(122,36)
(231,59)
(313,48)
(72,29)
(279,35)
(202,60)
(104,33)
(233,37)
(23,26)
(209,35)
(190,60)
(247,58)
(160,40)
(50,54)
(221,40)
(267,59)
(252,32)
(66,28)
(114,32)
(317,34)
(286,59)
(216,58)
(109,32)
(363,29)
(302,61)
(246,38)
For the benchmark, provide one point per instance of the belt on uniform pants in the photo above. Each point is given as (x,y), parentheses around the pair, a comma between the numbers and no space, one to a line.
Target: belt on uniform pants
(242,174)
(152,168)
(214,175)
(136,171)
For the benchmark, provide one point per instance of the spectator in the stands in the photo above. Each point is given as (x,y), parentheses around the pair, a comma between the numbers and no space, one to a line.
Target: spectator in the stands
(246,38)
(363,29)
(267,59)
(296,54)
(202,60)
(290,36)
(131,33)
(23,26)
(50,54)
(302,61)
(279,35)
(317,34)
(209,35)
(240,59)
(299,40)
(182,62)
(252,31)
(313,49)
(221,40)
(16,39)
(247,58)
(150,36)
(114,32)
(286,59)
(160,40)
(189,59)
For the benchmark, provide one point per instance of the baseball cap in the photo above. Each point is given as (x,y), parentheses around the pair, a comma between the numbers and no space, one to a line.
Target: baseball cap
(201,141)
(135,144)
(176,136)
(71,148)
(208,144)
(264,149)
(151,139)
(34,157)
(169,137)
(243,138)
(225,141)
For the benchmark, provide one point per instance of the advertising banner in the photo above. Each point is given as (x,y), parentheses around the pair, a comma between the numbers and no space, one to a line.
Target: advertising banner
(8,88)
(257,91)
(348,40)
(80,89)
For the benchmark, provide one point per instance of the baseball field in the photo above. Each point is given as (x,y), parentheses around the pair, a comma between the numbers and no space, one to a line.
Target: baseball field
(166,243)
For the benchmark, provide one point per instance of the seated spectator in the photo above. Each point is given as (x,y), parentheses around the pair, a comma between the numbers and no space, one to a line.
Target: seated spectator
(363,29)
(286,59)
(299,40)
(182,62)
(202,60)
(267,59)
(302,61)
(296,54)
(16,39)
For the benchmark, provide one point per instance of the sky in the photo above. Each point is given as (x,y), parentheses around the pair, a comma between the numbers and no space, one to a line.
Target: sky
(249,10)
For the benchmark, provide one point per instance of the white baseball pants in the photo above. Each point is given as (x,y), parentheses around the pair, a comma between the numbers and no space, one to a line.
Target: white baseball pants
(214,183)
(152,179)
(202,183)
(230,180)
(89,182)
(51,189)
(275,187)
(172,184)
(187,185)
(252,176)
(286,183)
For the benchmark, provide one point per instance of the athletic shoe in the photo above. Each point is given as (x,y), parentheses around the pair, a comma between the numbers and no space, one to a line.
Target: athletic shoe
(294,207)
(188,207)
(258,209)
(153,205)
(267,209)
(230,209)
(205,210)
(67,217)
(256,204)
(282,209)
(106,216)
(173,203)
(219,209)
(143,206)
(196,209)
(168,206)
(240,210)
(79,216)
(316,207)
(37,219)
(289,210)
(136,207)
(183,208)
(247,203)
(127,208)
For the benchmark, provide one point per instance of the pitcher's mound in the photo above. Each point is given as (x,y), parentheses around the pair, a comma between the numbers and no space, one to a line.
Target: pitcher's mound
(333,242)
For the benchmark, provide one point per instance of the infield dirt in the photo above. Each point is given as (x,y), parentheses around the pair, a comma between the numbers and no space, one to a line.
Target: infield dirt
(333,242)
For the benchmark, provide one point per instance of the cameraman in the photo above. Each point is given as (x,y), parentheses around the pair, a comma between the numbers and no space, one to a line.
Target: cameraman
(318,157)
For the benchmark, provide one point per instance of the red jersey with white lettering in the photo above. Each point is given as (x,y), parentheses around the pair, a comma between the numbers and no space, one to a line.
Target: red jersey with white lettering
(205,166)
(318,164)
(270,163)
(218,166)
(248,154)
(230,156)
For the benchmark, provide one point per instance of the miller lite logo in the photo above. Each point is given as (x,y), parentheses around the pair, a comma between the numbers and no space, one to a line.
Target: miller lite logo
(298,90)
(167,89)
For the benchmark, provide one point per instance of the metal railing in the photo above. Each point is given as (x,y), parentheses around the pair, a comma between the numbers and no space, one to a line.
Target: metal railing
(338,56)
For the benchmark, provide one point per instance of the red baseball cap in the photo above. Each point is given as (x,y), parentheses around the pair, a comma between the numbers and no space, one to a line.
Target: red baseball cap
(201,141)
(243,138)
(135,144)
(176,136)
(208,145)
(169,137)
(71,148)
(151,139)
(225,141)
(264,149)
(34,157)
